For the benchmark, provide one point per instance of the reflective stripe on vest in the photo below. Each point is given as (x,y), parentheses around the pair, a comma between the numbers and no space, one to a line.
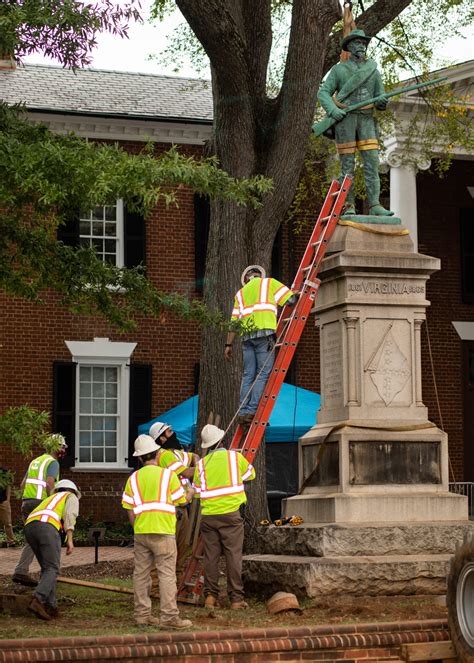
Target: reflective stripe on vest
(162,505)
(262,304)
(235,487)
(38,481)
(50,510)
(185,459)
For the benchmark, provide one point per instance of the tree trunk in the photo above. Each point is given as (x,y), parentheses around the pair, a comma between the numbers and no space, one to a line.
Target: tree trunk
(257,135)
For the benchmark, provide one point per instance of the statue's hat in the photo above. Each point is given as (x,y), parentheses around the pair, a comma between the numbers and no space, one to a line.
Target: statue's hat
(355,34)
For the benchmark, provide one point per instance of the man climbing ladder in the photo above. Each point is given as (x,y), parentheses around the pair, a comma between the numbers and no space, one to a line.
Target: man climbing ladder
(290,326)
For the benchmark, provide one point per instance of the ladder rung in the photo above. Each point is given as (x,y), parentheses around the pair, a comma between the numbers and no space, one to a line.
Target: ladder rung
(306,269)
(316,243)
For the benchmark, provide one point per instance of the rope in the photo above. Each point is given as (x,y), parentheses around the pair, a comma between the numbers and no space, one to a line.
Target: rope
(376,231)
(435,385)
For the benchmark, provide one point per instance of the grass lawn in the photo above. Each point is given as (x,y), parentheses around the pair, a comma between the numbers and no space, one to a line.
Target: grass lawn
(88,611)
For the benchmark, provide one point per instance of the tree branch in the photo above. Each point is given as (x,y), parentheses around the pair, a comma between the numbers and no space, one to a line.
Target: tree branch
(374,19)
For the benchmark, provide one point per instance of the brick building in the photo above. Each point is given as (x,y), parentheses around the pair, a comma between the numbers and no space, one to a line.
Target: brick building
(98,383)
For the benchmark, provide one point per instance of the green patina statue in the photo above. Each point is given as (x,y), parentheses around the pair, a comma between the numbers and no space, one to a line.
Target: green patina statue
(348,83)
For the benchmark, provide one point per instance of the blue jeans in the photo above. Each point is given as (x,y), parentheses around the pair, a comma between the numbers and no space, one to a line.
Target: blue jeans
(257,352)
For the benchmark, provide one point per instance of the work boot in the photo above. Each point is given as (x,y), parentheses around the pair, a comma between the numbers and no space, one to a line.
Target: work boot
(210,602)
(24,579)
(149,620)
(39,609)
(53,611)
(176,622)
(378,210)
(239,605)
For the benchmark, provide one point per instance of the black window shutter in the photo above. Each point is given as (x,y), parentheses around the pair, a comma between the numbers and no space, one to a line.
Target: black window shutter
(68,232)
(64,406)
(140,403)
(134,238)
(202,218)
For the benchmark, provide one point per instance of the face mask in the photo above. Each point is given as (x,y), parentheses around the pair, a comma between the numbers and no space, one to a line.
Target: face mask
(172,442)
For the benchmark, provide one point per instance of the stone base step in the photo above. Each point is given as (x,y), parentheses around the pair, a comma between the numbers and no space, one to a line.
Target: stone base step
(388,575)
(336,540)
(374,507)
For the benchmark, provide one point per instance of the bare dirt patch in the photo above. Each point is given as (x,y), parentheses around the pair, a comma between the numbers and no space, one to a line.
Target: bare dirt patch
(89,611)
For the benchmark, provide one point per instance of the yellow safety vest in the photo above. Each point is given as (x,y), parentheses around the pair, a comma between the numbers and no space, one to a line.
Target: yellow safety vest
(35,485)
(219,481)
(50,510)
(256,303)
(152,492)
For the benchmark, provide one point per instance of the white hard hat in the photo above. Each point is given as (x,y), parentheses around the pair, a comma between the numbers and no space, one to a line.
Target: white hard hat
(252,268)
(211,435)
(157,429)
(144,444)
(68,484)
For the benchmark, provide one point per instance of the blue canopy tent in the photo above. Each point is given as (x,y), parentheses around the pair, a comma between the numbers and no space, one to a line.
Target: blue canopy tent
(293,415)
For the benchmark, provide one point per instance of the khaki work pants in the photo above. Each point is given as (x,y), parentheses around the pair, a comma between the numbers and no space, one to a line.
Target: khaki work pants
(155,551)
(223,534)
(183,549)
(6,520)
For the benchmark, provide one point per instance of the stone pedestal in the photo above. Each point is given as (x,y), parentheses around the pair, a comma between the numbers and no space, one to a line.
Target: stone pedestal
(373,456)
(378,517)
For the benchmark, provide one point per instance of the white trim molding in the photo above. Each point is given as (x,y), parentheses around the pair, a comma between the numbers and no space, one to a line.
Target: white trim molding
(465,330)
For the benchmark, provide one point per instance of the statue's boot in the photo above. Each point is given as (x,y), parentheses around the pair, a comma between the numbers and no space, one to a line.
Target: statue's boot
(379,210)
(347,168)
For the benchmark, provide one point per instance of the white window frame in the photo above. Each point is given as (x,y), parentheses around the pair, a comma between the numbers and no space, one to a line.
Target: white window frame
(120,234)
(105,353)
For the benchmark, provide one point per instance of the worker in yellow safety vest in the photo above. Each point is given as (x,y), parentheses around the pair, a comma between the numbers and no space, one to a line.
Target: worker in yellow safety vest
(219,484)
(182,463)
(38,483)
(256,305)
(150,498)
(43,528)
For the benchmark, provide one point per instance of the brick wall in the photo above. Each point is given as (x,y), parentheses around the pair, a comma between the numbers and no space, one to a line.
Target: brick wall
(347,643)
(33,337)
(439,201)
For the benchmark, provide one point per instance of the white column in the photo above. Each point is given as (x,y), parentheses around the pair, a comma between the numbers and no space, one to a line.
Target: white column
(403,190)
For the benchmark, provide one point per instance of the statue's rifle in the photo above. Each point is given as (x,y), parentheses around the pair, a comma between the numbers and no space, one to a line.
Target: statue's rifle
(325,124)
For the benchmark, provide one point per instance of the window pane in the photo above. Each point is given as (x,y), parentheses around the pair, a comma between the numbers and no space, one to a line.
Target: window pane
(109,246)
(110,212)
(98,423)
(110,229)
(109,439)
(111,374)
(85,405)
(85,439)
(111,390)
(84,455)
(85,423)
(97,229)
(110,423)
(110,406)
(84,227)
(98,390)
(97,244)
(97,439)
(98,407)
(98,374)
(97,455)
(98,212)
(86,373)
(110,455)
(85,389)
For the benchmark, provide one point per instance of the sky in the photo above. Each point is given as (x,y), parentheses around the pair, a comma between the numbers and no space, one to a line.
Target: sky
(114,53)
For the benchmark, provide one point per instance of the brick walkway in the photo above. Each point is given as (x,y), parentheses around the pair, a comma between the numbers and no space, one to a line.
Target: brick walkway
(81,555)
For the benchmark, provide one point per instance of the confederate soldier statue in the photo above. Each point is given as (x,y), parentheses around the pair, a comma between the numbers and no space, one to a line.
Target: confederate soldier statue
(351,82)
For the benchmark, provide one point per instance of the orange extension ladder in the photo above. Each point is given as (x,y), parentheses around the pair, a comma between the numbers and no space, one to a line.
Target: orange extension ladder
(291,323)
